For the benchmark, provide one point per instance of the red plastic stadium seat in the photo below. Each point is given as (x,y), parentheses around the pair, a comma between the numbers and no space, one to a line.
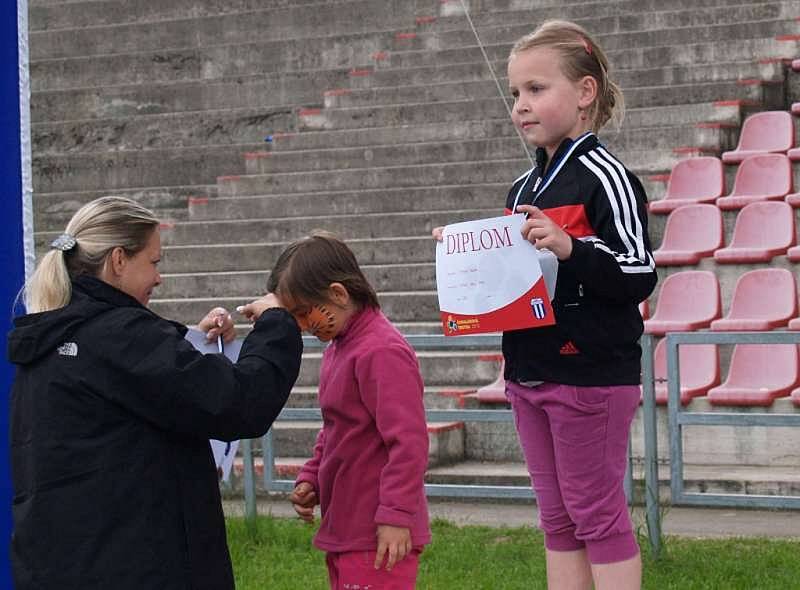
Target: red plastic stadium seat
(694,180)
(793,199)
(692,232)
(796,397)
(762,231)
(767,177)
(794,155)
(699,367)
(763,299)
(763,133)
(796,108)
(495,391)
(794,324)
(688,300)
(793,254)
(758,374)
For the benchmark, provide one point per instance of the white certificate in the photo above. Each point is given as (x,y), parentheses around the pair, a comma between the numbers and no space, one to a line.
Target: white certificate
(489,278)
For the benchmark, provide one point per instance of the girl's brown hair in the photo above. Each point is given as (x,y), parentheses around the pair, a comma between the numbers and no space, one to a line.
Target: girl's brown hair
(580,56)
(305,270)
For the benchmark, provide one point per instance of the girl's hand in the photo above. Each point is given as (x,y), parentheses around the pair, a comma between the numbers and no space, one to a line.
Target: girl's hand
(393,542)
(437,233)
(218,322)
(304,499)
(543,232)
(253,310)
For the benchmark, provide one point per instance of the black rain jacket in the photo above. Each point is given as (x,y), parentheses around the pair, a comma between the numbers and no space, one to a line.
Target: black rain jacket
(115,485)
(602,205)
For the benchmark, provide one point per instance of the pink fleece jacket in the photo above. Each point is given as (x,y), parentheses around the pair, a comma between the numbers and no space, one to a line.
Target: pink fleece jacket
(371,454)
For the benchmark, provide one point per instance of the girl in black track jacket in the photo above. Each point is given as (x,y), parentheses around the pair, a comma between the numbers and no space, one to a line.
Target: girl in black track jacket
(573,386)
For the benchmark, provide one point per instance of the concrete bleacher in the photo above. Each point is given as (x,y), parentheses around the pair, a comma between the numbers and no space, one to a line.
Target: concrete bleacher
(245,124)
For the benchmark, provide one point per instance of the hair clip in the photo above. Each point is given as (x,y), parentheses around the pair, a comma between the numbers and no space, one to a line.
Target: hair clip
(64,242)
(586,45)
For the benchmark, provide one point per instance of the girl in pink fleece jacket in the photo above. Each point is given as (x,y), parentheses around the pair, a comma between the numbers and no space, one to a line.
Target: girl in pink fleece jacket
(370,457)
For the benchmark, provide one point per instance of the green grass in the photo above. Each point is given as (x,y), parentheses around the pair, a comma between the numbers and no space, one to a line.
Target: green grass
(277,554)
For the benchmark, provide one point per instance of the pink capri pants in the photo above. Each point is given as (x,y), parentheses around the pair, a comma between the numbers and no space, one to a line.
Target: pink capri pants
(575,442)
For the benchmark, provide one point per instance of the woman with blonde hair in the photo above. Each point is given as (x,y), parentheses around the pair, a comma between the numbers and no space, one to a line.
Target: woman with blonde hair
(111,411)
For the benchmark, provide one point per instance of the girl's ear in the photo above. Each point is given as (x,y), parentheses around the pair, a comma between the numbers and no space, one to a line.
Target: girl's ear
(339,294)
(587,89)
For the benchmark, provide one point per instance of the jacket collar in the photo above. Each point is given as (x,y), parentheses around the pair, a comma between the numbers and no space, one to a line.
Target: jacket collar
(357,323)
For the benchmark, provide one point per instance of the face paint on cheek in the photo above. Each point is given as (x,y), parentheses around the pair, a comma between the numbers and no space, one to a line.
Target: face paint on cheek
(321,322)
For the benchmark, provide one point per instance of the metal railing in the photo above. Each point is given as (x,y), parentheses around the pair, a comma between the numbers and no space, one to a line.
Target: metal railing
(680,417)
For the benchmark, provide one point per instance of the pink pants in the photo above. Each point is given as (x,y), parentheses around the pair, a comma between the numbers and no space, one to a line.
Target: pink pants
(355,570)
(575,442)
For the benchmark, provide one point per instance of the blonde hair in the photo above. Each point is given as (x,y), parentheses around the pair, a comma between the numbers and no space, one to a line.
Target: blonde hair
(580,56)
(97,228)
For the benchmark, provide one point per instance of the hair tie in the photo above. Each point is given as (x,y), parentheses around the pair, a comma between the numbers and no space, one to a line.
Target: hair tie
(64,242)
(586,45)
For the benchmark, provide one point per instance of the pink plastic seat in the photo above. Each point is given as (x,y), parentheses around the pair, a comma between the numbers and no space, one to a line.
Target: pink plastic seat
(767,177)
(758,374)
(794,155)
(644,309)
(796,397)
(794,324)
(495,392)
(699,367)
(688,300)
(692,232)
(793,199)
(763,299)
(694,180)
(762,231)
(763,133)
(795,109)
(793,254)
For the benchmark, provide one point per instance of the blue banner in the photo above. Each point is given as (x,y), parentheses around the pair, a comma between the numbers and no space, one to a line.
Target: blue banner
(13,110)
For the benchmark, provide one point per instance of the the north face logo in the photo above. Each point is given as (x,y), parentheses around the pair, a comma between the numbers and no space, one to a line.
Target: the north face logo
(569,348)
(68,349)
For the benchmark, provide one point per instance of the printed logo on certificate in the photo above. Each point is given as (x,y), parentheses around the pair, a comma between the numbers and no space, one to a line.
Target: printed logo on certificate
(490,279)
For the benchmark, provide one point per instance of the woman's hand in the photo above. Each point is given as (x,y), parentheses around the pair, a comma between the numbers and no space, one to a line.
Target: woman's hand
(218,322)
(253,310)
(543,232)
(437,233)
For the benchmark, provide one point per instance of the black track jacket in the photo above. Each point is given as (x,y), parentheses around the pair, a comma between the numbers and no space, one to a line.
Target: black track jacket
(589,193)
(115,486)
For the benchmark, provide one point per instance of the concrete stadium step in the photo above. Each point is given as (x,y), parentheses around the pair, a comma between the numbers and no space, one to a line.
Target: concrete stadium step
(172,130)
(445,440)
(612,37)
(113,170)
(468,196)
(228,257)
(392,277)
(92,13)
(386,200)
(190,31)
(372,178)
(613,18)
(53,210)
(452,119)
(212,62)
(636,57)
(474,80)
(714,137)
(256,91)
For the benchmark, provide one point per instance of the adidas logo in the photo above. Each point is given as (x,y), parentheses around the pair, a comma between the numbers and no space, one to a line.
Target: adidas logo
(68,349)
(569,348)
